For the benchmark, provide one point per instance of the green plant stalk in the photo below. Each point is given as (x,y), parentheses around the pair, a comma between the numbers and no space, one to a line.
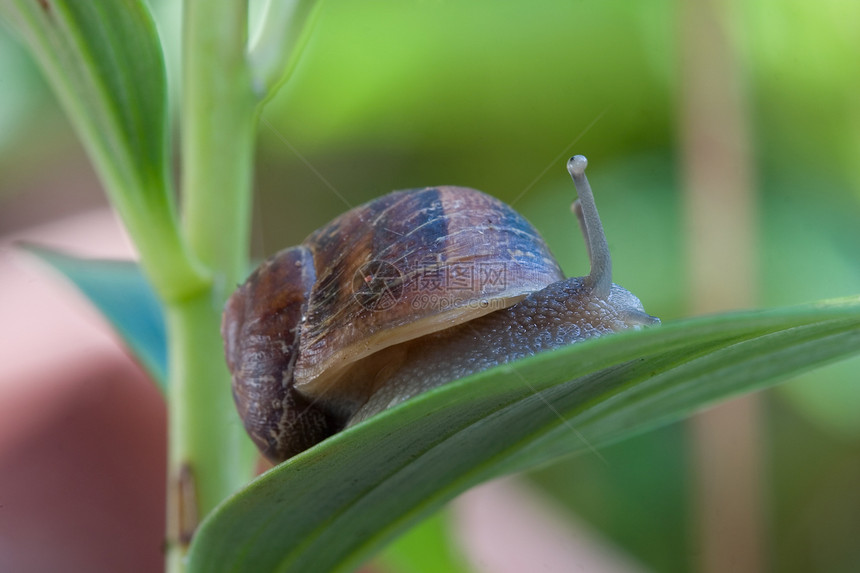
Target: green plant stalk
(209,454)
(207,460)
(219,117)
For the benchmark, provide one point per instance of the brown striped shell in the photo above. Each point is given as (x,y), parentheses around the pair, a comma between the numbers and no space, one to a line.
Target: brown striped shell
(409,264)
(395,269)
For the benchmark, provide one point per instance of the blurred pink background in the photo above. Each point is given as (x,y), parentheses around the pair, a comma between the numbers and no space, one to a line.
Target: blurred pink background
(82,430)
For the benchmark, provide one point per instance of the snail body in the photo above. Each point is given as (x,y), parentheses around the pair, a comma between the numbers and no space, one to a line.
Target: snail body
(400,295)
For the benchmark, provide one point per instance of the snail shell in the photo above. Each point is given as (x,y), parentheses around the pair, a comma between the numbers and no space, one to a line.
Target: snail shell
(376,263)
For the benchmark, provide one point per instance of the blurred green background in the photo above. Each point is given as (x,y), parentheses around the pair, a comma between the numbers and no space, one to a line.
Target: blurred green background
(496,95)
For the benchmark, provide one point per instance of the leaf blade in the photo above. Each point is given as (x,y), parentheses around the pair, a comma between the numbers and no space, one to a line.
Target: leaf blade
(104,62)
(330,507)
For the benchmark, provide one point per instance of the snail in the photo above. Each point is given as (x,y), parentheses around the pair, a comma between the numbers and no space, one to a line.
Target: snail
(402,294)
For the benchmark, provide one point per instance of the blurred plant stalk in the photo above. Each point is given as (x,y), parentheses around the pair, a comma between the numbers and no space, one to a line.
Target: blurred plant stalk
(719,203)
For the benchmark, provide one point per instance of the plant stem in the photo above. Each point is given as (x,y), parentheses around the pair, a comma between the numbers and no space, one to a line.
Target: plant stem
(218,129)
(206,457)
(731,532)
(210,456)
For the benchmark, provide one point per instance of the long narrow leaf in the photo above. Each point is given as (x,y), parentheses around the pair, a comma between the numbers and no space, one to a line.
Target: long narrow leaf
(329,508)
(104,62)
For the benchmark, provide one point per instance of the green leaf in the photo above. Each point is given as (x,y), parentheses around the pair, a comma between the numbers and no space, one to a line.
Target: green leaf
(329,508)
(104,61)
(120,291)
